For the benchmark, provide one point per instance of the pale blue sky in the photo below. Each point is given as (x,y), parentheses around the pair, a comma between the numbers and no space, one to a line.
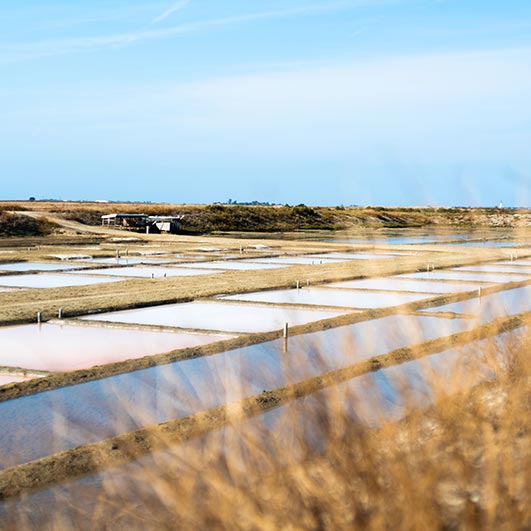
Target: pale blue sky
(323,102)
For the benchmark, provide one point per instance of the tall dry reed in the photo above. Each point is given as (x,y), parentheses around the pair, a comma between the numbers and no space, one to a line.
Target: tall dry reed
(440,443)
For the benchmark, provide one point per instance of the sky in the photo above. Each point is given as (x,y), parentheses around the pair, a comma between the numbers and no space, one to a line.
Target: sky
(336,102)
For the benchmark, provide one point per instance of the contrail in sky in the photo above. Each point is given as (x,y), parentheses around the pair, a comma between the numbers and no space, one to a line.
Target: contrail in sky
(47,47)
(175,7)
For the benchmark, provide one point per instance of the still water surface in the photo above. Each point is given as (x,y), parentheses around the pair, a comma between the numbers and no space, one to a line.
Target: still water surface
(72,416)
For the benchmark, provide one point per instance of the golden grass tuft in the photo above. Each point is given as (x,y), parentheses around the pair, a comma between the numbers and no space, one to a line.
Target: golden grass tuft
(461,463)
(450,452)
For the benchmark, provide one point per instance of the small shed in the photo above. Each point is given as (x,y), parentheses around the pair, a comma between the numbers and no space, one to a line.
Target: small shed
(124,220)
(169,224)
(142,222)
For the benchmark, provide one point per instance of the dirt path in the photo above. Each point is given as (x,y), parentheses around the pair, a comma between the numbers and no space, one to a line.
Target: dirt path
(100,230)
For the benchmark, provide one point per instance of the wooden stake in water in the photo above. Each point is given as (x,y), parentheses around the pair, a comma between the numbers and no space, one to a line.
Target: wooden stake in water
(39,317)
(60,314)
(298,284)
(286,335)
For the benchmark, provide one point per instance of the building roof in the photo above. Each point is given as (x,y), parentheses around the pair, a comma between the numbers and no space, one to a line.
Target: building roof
(114,216)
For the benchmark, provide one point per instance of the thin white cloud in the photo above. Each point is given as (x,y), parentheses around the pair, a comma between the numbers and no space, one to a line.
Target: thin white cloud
(25,51)
(408,115)
(175,7)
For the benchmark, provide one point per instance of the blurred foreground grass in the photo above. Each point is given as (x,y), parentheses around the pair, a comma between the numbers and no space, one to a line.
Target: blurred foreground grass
(340,460)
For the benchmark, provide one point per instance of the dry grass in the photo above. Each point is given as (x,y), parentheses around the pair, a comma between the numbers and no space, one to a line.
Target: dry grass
(204,218)
(464,463)
(453,452)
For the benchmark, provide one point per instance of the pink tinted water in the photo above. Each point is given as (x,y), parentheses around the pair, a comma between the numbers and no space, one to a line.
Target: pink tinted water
(52,347)
(218,316)
(11,378)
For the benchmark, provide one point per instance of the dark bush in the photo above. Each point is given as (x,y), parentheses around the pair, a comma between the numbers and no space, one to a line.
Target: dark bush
(15,225)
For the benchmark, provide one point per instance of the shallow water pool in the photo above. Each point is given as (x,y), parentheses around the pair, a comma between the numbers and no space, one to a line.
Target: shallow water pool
(456,274)
(128,261)
(488,243)
(149,272)
(53,280)
(232,265)
(84,413)
(331,297)
(356,256)
(404,284)
(6,378)
(493,306)
(217,316)
(389,240)
(497,268)
(296,260)
(39,266)
(55,347)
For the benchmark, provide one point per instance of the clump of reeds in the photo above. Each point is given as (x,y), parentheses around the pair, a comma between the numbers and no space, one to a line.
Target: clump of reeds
(449,451)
